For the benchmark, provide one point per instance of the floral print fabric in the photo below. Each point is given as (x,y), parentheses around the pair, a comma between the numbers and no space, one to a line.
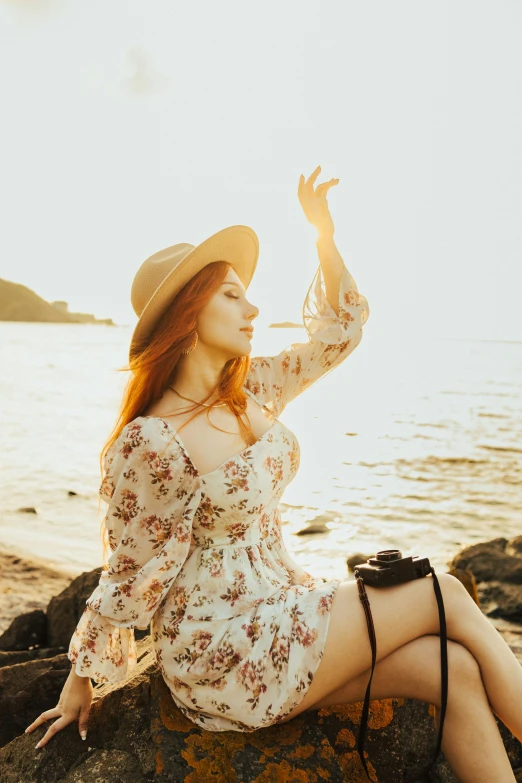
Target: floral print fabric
(238,627)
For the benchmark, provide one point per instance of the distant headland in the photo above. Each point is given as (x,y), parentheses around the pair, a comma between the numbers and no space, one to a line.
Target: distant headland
(19,303)
(285,325)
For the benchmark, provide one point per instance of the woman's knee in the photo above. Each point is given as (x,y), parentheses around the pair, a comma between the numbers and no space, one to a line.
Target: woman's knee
(452,586)
(458,603)
(409,610)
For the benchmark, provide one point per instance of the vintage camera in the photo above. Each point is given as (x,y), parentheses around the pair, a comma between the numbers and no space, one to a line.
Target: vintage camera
(386,569)
(389,567)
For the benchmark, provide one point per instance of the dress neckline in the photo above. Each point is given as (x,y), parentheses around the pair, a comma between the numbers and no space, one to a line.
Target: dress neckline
(182,446)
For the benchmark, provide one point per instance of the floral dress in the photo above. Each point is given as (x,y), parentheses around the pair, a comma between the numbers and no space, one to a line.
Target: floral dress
(237,626)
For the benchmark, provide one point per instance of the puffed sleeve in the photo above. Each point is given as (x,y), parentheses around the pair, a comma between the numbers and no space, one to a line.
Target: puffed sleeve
(152,497)
(276,380)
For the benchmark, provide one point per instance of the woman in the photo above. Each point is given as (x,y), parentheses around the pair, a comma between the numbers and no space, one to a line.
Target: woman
(244,637)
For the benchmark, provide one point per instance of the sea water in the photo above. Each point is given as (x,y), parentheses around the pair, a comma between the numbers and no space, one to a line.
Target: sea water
(413,444)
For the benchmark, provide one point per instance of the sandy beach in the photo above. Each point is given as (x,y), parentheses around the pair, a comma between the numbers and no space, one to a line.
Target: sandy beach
(26,585)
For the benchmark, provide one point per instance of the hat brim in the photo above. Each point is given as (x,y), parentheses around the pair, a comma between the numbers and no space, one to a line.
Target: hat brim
(238,245)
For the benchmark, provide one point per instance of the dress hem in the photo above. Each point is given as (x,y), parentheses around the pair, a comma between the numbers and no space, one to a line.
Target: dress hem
(282,713)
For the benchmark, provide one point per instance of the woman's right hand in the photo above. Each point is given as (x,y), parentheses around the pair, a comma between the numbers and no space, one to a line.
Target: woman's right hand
(74,703)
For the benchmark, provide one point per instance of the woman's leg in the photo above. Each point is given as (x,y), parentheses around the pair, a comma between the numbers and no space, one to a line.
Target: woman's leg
(401,614)
(501,672)
(465,623)
(471,741)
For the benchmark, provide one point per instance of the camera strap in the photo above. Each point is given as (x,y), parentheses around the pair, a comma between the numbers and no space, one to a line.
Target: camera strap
(443,668)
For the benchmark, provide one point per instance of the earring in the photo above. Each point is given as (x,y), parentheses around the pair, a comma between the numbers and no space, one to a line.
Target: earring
(191,348)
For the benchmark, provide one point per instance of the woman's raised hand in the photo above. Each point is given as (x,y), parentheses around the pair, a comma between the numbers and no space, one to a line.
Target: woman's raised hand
(74,703)
(314,202)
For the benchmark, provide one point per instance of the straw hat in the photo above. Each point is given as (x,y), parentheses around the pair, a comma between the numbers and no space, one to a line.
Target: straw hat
(164,274)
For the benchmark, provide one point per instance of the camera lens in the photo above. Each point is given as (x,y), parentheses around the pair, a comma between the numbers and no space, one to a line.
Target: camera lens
(388,555)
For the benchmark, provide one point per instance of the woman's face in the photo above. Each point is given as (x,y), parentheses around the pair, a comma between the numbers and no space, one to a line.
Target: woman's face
(221,321)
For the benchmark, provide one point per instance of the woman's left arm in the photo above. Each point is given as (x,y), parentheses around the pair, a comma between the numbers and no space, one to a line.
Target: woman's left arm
(333,268)
(317,212)
(334,313)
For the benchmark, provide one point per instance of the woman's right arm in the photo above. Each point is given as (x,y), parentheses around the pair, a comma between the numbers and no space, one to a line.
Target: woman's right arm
(74,704)
(151,501)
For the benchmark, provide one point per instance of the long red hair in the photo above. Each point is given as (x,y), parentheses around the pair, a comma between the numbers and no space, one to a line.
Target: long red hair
(154,368)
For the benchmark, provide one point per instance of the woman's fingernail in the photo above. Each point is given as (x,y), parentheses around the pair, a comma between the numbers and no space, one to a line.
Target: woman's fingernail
(84,735)
(37,746)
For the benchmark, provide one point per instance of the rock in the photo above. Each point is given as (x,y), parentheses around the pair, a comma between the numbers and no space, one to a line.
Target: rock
(514,546)
(292,751)
(357,559)
(106,766)
(71,493)
(27,690)
(22,656)
(136,733)
(317,527)
(500,599)
(25,631)
(65,609)
(490,562)
(28,510)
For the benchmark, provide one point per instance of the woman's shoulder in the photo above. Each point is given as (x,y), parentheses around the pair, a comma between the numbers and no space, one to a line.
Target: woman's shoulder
(143,435)
(141,429)
(148,427)
(145,453)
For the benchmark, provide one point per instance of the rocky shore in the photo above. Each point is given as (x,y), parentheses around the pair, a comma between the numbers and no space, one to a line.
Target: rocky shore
(137,734)
(26,585)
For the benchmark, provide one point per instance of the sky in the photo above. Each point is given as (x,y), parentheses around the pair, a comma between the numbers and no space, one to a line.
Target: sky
(128,127)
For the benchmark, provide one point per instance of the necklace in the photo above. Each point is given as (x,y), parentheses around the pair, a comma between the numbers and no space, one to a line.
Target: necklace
(205,404)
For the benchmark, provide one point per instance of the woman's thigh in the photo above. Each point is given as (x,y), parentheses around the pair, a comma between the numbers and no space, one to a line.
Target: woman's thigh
(411,672)
(400,613)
